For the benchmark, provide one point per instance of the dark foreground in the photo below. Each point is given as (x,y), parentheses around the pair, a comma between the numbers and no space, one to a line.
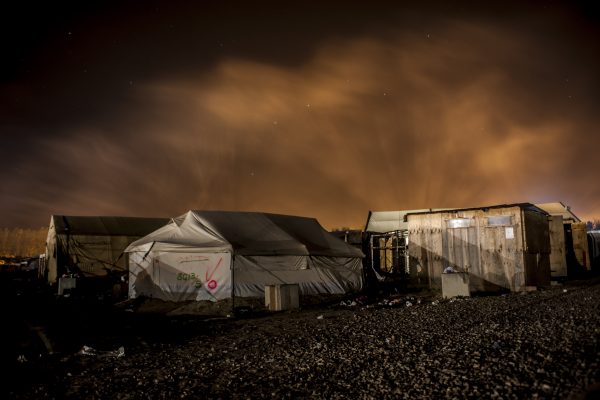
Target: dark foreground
(543,344)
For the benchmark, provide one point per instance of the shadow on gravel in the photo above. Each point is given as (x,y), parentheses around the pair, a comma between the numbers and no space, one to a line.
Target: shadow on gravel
(43,335)
(40,331)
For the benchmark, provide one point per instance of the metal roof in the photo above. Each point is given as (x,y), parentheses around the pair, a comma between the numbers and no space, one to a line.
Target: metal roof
(388,221)
(524,206)
(558,208)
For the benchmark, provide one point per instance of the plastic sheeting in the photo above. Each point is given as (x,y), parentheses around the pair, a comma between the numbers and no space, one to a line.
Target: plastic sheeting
(92,246)
(318,275)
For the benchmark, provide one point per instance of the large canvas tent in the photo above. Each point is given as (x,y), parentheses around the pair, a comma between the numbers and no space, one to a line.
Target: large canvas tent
(217,255)
(92,246)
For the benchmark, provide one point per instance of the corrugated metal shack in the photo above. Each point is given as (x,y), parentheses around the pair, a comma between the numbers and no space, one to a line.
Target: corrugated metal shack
(92,246)
(501,247)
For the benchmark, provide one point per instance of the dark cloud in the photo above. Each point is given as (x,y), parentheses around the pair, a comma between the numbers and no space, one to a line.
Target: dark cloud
(324,111)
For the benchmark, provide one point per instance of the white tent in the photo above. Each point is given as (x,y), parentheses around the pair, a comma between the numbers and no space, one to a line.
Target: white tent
(215,255)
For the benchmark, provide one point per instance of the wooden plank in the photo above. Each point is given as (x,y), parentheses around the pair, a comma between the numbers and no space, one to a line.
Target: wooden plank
(558,258)
(580,244)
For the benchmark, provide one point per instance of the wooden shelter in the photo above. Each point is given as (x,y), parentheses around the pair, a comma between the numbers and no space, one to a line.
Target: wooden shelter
(569,240)
(501,247)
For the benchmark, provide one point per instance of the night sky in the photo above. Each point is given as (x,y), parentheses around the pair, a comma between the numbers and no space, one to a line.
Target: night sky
(153,108)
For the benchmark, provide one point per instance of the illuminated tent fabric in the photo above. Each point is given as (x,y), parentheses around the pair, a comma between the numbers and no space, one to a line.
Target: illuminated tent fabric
(202,255)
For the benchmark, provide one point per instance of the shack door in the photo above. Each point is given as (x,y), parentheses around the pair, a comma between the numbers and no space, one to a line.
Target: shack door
(460,246)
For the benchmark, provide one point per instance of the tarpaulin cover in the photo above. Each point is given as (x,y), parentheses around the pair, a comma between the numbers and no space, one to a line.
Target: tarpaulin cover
(92,246)
(204,255)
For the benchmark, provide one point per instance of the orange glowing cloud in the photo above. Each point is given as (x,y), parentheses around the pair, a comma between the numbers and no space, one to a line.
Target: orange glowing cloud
(396,122)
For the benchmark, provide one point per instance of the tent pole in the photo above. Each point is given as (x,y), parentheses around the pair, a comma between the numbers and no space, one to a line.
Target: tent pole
(232,285)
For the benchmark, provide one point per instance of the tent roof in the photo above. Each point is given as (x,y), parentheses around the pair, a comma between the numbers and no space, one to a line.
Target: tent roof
(558,208)
(247,233)
(106,226)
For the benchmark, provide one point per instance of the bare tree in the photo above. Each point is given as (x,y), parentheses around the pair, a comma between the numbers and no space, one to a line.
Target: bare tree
(19,242)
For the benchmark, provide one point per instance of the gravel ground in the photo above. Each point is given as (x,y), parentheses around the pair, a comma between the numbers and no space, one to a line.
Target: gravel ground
(543,344)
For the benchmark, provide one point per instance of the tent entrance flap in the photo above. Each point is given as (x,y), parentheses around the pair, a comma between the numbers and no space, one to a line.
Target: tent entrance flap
(181,276)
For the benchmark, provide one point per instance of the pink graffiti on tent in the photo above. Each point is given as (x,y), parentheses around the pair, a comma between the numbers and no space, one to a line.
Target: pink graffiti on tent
(211,283)
(190,258)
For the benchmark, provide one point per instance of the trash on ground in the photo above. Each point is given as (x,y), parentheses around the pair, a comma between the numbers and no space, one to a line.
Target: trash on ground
(90,351)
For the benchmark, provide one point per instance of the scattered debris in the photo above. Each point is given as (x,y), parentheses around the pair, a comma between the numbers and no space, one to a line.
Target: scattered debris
(90,351)
(87,351)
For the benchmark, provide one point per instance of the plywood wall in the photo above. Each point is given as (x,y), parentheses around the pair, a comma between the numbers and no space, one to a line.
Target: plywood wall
(494,254)
(558,257)
(580,244)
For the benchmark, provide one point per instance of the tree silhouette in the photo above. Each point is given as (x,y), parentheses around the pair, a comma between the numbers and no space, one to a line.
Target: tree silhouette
(19,242)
